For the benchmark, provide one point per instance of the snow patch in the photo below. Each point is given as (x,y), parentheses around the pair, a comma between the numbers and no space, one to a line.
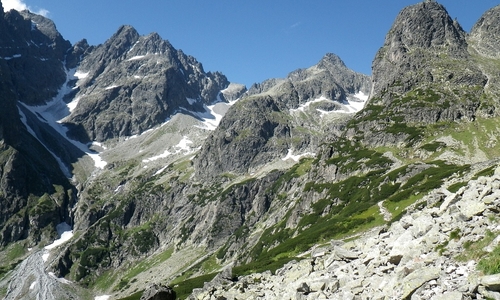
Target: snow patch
(65,233)
(55,111)
(303,106)
(296,157)
(182,146)
(81,75)
(11,57)
(103,297)
(354,104)
(72,105)
(45,256)
(191,101)
(210,118)
(160,171)
(361,96)
(32,286)
(163,155)
(137,57)
(61,280)
(112,87)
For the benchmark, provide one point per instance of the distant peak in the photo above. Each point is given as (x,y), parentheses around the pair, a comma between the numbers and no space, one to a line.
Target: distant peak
(331,62)
(332,58)
(126,30)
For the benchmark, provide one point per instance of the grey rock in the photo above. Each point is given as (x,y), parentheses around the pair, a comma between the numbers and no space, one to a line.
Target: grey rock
(158,292)
(485,34)
(449,296)
(416,279)
(492,282)
(344,253)
(488,294)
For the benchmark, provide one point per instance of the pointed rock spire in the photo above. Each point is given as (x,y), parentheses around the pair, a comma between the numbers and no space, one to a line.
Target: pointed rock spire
(420,31)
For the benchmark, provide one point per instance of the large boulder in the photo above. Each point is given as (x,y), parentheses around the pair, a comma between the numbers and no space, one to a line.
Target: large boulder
(158,292)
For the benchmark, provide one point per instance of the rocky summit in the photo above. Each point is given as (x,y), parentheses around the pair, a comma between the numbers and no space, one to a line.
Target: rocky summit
(127,171)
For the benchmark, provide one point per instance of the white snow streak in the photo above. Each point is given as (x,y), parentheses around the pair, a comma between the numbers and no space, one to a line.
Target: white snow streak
(66,234)
(56,110)
(81,75)
(354,104)
(112,87)
(296,157)
(302,107)
(103,297)
(182,146)
(11,57)
(137,57)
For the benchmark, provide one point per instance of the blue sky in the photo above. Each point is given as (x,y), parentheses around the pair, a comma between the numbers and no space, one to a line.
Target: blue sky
(249,41)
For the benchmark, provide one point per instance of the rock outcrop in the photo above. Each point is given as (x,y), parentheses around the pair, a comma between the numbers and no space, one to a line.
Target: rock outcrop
(158,292)
(485,34)
(420,32)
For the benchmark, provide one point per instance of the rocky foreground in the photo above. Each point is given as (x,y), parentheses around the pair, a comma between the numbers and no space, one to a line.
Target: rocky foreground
(424,255)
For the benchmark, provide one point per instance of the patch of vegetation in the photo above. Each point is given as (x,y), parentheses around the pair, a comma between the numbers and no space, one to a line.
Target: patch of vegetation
(488,172)
(475,250)
(490,263)
(44,205)
(185,288)
(145,265)
(433,147)
(456,186)
(295,171)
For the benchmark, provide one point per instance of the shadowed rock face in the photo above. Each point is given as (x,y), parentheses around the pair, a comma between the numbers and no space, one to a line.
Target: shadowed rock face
(31,71)
(135,83)
(34,53)
(485,35)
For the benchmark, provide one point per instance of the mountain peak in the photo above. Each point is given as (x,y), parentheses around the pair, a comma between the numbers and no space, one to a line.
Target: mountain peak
(331,59)
(426,24)
(420,33)
(126,33)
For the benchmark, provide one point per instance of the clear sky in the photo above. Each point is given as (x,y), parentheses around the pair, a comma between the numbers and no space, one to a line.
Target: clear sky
(248,41)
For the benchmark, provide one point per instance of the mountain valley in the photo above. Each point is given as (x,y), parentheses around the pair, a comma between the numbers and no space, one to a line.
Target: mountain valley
(126,164)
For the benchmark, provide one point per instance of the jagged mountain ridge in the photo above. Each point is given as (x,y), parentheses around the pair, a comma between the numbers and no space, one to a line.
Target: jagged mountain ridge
(240,217)
(271,120)
(134,83)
